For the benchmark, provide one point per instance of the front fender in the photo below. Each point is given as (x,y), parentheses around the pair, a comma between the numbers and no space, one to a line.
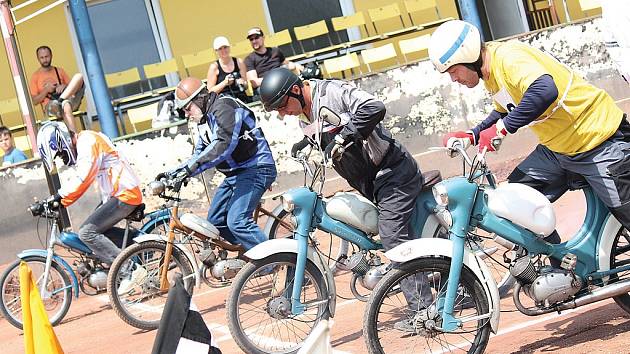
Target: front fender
(59,260)
(427,247)
(191,258)
(289,245)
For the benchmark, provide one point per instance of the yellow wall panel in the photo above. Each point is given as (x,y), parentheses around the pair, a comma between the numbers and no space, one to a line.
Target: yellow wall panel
(192,25)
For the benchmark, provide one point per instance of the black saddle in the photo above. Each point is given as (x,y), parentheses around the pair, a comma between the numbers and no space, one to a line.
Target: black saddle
(137,214)
(431,178)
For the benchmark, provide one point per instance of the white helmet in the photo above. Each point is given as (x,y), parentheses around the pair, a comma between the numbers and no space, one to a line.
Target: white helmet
(53,139)
(454,42)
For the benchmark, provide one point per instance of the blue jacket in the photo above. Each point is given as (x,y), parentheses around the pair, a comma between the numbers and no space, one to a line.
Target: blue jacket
(229,139)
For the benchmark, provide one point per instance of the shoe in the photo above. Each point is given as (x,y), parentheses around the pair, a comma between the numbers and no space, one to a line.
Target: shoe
(136,278)
(413,325)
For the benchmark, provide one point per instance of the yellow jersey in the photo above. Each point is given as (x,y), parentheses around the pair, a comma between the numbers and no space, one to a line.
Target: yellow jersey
(582,117)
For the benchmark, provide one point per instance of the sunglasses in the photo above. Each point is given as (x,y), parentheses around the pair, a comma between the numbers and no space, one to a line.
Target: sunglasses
(251,38)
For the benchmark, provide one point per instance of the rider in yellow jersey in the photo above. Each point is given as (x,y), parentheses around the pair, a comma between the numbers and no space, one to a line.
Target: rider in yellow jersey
(583,134)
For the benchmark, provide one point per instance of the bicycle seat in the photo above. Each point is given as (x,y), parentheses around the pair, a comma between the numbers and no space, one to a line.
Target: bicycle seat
(200,225)
(431,178)
(137,214)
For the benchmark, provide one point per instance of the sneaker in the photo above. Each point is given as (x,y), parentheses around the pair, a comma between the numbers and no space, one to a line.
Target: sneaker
(136,278)
(410,326)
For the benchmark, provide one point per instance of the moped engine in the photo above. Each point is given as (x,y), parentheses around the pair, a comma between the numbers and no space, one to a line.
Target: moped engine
(556,285)
(227,269)
(548,285)
(98,279)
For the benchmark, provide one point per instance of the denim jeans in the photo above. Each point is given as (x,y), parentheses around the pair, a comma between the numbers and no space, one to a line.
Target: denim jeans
(234,202)
(101,220)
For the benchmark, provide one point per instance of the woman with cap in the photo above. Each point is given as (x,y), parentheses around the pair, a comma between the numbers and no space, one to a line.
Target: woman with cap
(226,75)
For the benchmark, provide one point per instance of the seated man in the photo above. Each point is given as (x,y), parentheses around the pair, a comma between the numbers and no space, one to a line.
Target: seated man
(11,153)
(263,59)
(51,86)
(96,159)
(229,141)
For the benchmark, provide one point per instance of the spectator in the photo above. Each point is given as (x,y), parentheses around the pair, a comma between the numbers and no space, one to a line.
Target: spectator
(616,19)
(11,153)
(263,59)
(227,75)
(51,86)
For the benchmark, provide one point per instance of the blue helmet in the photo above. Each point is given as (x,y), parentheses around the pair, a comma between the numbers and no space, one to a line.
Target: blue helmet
(53,139)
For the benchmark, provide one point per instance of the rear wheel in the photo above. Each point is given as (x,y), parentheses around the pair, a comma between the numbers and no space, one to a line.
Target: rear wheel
(142,302)
(57,294)
(619,257)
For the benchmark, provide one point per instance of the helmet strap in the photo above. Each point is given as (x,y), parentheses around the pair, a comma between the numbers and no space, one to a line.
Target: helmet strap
(299,97)
(476,66)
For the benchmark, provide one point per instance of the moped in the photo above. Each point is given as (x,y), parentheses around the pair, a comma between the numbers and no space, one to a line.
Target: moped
(288,287)
(55,278)
(465,308)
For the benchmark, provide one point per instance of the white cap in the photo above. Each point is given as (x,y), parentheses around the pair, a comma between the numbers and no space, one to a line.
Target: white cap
(220,42)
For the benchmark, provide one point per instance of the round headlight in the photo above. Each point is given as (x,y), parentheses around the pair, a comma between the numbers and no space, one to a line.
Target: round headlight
(287,203)
(156,187)
(440,194)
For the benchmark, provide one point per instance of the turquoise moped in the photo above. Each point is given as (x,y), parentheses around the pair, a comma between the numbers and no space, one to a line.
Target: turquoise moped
(595,264)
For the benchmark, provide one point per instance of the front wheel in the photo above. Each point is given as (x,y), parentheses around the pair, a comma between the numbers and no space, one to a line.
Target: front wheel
(57,294)
(133,282)
(397,321)
(259,305)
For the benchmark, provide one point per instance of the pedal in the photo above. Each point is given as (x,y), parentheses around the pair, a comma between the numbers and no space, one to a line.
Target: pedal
(569,261)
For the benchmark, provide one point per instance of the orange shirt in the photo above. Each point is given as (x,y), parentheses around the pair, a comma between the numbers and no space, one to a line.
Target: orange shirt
(41,77)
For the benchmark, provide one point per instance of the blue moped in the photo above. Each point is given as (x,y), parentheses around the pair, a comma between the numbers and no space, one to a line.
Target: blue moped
(55,278)
(278,298)
(594,266)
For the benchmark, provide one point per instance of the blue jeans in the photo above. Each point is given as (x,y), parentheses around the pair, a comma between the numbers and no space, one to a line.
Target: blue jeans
(234,202)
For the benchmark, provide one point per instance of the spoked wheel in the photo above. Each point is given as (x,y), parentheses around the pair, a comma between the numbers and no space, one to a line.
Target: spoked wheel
(399,322)
(57,295)
(259,305)
(133,282)
(485,249)
(619,257)
(333,248)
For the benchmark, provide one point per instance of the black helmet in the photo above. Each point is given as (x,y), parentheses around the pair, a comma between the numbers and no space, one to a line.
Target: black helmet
(275,85)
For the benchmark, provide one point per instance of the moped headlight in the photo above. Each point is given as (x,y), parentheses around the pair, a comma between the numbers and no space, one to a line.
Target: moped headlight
(287,203)
(440,194)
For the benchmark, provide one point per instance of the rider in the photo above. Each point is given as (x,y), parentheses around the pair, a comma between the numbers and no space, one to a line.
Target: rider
(376,165)
(581,131)
(230,141)
(95,158)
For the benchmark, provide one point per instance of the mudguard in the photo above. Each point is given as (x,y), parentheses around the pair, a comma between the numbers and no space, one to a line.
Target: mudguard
(191,258)
(289,245)
(432,247)
(606,239)
(64,264)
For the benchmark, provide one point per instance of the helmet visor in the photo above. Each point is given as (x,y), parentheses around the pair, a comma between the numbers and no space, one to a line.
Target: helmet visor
(277,104)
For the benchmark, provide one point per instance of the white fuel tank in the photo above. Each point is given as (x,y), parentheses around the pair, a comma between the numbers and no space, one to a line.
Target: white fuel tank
(200,225)
(355,210)
(524,206)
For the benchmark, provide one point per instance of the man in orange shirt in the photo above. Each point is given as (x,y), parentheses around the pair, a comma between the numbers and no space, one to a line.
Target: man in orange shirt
(51,86)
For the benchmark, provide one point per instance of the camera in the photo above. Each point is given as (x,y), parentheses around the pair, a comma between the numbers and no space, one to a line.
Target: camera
(236,75)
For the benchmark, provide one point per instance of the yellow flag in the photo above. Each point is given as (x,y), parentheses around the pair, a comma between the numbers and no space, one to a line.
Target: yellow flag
(39,337)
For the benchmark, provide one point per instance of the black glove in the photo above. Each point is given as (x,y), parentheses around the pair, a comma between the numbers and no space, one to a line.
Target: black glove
(161,175)
(299,146)
(329,150)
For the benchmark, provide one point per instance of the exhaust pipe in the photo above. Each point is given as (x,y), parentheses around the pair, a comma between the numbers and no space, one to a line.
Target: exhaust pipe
(599,294)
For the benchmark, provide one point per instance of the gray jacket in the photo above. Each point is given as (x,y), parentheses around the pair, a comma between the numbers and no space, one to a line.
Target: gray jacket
(375,152)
